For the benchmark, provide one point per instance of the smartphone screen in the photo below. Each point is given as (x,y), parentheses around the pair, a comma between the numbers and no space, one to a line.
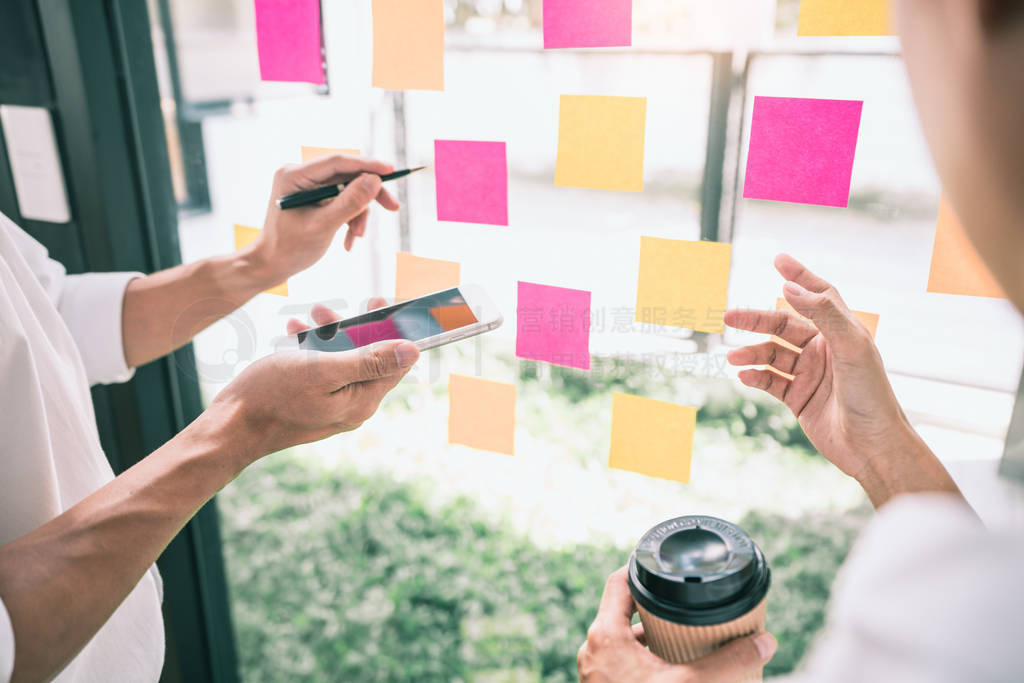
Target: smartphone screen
(413,320)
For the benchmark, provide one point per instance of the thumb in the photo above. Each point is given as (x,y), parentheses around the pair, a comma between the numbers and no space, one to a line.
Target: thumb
(830,316)
(740,659)
(354,199)
(382,359)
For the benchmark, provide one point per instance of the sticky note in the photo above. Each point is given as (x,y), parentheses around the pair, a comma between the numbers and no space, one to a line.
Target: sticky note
(956,267)
(601,142)
(482,414)
(845,18)
(588,23)
(652,437)
(683,284)
(416,275)
(868,320)
(472,181)
(310,153)
(288,41)
(801,150)
(244,236)
(553,325)
(408,44)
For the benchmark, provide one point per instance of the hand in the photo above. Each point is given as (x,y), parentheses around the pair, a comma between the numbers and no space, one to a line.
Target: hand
(840,392)
(298,397)
(616,652)
(293,240)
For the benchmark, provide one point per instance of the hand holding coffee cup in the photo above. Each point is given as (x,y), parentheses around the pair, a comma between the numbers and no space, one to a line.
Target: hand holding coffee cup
(617,651)
(698,582)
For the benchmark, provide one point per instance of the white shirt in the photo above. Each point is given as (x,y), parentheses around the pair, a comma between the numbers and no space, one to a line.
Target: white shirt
(59,334)
(927,595)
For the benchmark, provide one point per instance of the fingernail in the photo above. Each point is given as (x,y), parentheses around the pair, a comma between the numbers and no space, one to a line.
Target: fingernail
(794,289)
(406,354)
(766,645)
(369,181)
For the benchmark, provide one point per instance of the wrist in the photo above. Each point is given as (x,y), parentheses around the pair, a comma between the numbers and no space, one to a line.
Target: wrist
(224,429)
(907,466)
(256,269)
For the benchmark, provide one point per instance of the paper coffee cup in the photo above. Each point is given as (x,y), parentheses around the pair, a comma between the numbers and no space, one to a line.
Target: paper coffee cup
(698,583)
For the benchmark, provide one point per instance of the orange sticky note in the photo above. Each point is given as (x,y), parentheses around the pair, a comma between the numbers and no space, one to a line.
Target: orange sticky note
(244,236)
(310,153)
(868,320)
(956,267)
(652,437)
(482,414)
(408,44)
(416,275)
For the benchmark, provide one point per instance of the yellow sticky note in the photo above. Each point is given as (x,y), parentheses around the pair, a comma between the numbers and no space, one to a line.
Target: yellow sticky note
(956,267)
(310,153)
(416,275)
(482,414)
(244,236)
(845,18)
(408,44)
(652,437)
(868,320)
(683,284)
(601,142)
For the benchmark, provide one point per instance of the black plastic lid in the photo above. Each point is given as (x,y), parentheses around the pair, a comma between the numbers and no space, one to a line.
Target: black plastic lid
(698,570)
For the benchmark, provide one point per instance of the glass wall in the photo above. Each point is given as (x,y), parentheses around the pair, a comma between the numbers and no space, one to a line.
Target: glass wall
(387,554)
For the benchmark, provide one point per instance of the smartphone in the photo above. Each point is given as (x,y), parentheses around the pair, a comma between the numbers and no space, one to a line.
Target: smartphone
(428,321)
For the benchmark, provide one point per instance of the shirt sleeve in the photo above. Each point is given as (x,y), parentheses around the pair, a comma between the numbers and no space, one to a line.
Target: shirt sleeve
(6,645)
(927,595)
(91,306)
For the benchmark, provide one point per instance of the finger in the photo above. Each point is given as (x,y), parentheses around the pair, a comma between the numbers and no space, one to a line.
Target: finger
(376,302)
(354,199)
(383,359)
(768,353)
(294,326)
(358,224)
(830,316)
(387,200)
(322,315)
(638,633)
(767,381)
(350,239)
(617,606)
(793,270)
(741,659)
(783,324)
(337,168)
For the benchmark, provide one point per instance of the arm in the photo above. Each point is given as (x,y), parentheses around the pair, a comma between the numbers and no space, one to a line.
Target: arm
(61,582)
(163,311)
(839,391)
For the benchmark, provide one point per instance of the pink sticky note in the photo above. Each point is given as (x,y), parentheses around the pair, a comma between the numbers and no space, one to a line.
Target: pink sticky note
(372,332)
(553,325)
(801,150)
(472,181)
(588,23)
(288,40)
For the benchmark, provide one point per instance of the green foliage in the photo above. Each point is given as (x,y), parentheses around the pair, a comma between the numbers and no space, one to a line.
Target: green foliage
(340,577)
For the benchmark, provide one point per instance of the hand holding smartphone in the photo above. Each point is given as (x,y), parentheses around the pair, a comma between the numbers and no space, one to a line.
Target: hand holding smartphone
(427,321)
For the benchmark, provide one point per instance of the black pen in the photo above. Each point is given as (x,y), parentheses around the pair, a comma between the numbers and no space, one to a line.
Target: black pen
(307,197)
